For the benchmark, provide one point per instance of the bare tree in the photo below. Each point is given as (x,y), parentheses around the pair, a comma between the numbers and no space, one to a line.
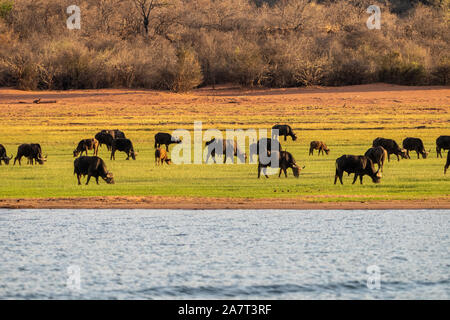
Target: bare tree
(145,7)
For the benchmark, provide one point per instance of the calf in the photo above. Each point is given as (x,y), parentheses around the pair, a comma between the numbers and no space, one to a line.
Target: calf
(443,142)
(284,130)
(124,145)
(359,165)
(286,160)
(104,139)
(229,149)
(318,145)
(3,156)
(92,167)
(33,152)
(414,144)
(161,156)
(378,156)
(391,147)
(85,145)
(166,139)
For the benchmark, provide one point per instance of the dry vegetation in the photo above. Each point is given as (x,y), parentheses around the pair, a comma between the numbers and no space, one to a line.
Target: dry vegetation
(182,44)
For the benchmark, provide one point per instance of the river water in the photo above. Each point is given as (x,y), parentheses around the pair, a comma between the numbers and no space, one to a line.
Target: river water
(224,254)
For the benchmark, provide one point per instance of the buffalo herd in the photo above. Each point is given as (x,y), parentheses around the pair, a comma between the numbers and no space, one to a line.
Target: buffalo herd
(115,140)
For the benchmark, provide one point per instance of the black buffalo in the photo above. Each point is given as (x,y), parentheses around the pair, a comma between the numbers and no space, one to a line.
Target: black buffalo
(443,142)
(33,152)
(378,155)
(104,138)
(391,147)
(85,145)
(284,130)
(414,144)
(166,139)
(124,145)
(228,148)
(286,160)
(92,167)
(359,165)
(4,156)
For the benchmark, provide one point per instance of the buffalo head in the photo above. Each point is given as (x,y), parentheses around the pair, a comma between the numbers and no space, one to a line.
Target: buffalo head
(109,178)
(6,159)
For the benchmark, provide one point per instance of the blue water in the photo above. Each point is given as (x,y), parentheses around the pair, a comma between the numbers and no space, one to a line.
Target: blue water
(245,254)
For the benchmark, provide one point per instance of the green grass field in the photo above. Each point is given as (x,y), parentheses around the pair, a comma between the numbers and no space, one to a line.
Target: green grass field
(58,133)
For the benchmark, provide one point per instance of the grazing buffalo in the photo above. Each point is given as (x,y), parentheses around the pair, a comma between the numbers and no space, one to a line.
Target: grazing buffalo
(161,156)
(378,155)
(33,152)
(414,144)
(229,148)
(85,145)
(3,156)
(318,145)
(92,167)
(104,138)
(447,164)
(116,133)
(443,142)
(284,130)
(166,139)
(286,160)
(359,165)
(391,147)
(124,145)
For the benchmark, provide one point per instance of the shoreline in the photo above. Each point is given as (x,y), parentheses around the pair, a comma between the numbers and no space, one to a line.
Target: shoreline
(194,203)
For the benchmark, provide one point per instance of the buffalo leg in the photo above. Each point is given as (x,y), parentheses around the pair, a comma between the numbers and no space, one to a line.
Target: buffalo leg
(167,147)
(88,178)
(354,179)
(438,152)
(285,172)
(338,175)
(96,179)
(259,170)
(360,178)
(418,157)
(113,156)
(78,177)
(311,151)
(389,157)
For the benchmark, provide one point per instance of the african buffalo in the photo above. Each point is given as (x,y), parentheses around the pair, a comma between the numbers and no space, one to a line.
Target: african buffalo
(359,165)
(414,144)
(33,152)
(228,148)
(3,156)
(166,139)
(443,142)
(92,167)
(104,138)
(391,147)
(85,145)
(124,145)
(378,155)
(286,160)
(318,145)
(284,130)
(161,156)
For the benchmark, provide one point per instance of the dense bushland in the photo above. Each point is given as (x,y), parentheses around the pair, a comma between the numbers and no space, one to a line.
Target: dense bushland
(182,44)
